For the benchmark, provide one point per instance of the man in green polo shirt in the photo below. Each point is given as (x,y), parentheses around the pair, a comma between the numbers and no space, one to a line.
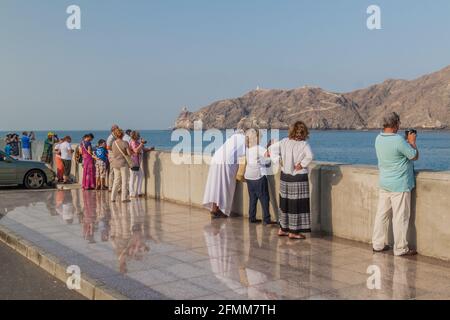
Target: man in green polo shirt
(395,162)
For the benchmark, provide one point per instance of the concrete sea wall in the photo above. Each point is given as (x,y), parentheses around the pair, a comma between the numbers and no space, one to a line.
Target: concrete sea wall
(343,198)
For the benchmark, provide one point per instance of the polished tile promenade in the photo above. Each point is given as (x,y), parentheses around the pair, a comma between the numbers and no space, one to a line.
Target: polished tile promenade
(149,249)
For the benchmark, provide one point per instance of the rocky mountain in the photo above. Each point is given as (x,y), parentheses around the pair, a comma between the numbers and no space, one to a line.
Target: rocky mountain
(421,103)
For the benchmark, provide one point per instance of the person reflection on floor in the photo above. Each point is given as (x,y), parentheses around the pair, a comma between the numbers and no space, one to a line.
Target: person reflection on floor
(397,277)
(67,208)
(50,203)
(231,269)
(127,234)
(59,199)
(89,216)
(120,232)
(137,247)
(103,215)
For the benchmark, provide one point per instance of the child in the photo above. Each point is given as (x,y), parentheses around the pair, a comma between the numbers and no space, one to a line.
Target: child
(255,175)
(101,163)
(58,161)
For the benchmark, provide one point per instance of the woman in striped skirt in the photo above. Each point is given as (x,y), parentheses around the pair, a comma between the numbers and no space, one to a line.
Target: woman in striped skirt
(295,156)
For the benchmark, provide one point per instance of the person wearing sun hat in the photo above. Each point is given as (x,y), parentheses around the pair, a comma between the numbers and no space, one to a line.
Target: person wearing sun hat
(47,153)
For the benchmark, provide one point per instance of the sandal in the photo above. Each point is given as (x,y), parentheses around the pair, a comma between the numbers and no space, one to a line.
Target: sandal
(215,215)
(296,236)
(281,233)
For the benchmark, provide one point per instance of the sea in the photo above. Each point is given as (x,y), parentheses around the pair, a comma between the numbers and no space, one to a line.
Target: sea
(342,146)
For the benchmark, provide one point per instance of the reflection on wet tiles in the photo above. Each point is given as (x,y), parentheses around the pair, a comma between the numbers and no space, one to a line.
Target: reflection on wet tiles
(186,270)
(357,292)
(148,249)
(236,294)
(132,288)
(213,296)
(188,256)
(281,290)
(153,276)
(217,283)
(182,289)
(338,274)
(433,296)
(317,282)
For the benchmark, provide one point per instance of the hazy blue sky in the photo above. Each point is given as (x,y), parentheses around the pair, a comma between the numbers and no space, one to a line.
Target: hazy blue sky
(138,62)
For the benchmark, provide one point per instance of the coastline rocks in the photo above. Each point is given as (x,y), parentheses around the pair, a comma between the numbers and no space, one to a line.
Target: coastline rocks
(423,103)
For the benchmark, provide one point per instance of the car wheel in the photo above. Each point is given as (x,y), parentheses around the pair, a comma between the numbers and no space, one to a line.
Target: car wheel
(35,179)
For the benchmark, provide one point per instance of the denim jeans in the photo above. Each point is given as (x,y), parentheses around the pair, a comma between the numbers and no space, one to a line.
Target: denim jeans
(258,190)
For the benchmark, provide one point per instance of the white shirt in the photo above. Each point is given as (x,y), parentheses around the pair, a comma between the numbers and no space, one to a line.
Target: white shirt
(257,163)
(291,153)
(66,150)
(110,141)
(56,148)
(126,138)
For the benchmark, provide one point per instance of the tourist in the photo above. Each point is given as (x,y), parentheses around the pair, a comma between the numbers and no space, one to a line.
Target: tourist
(26,146)
(127,136)
(8,149)
(120,163)
(13,142)
(395,162)
(58,161)
(32,137)
(138,149)
(101,164)
(296,155)
(65,149)
(109,144)
(221,182)
(47,153)
(255,176)
(88,182)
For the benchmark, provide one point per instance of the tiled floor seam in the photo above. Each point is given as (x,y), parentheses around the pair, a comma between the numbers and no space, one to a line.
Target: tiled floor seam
(90,288)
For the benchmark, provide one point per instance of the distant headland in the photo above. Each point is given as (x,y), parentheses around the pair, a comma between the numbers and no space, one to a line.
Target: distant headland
(423,103)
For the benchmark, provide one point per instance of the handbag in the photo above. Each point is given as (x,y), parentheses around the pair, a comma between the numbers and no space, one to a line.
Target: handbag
(135,163)
(127,158)
(135,168)
(240,175)
(78,155)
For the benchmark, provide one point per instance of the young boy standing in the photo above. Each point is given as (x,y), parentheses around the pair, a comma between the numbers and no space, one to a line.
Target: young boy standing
(26,146)
(255,175)
(101,164)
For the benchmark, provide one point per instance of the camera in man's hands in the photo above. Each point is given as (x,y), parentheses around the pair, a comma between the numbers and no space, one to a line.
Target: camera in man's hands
(410,131)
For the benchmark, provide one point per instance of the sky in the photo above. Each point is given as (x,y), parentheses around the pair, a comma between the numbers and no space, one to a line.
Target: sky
(137,63)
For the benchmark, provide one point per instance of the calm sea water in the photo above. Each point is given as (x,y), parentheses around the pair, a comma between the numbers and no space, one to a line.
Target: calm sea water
(353,147)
